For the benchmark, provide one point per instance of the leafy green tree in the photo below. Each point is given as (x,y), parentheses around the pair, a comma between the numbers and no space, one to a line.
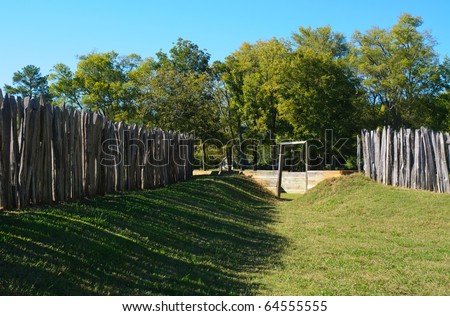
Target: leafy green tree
(29,82)
(65,86)
(293,93)
(142,78)
(437,115)
(319,95)
(223,101)
(175,88)
(181,102)
(101,82)
(320,87)
(255,80)
(321,41)
(231,98)
(104,80)
(400,71)
(176,92)
(186,57)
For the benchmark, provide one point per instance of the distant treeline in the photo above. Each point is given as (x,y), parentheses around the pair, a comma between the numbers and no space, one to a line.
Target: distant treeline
(294,88)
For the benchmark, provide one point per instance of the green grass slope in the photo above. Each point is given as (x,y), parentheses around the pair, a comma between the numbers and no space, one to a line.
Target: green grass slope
(227,236)
(206,236)
(352,236)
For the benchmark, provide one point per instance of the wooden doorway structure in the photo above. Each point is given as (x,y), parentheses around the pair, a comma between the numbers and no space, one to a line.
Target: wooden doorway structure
(281,163)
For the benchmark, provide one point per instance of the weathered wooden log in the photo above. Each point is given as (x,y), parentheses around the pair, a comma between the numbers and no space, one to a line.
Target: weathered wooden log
(6,117)
(380,148)
(416,159)
(447,149)
(365,135)
(388,158)
(409,138)
(120,165)
(443,164)
(46,166)
(55,154)
(400,157)
(58,155)
(15,157)
(395,168)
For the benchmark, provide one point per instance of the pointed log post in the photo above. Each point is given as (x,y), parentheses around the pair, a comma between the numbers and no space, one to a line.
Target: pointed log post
(6,153)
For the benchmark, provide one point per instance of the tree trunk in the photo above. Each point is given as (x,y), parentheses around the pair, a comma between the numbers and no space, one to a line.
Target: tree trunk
(396,118)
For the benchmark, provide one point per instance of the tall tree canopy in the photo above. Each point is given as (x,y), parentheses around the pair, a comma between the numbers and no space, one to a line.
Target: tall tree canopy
(254,77)
(293,90)
(296,88)
(175,90)
(185,56)
(400,71)
(101,82)
(172,92)
(104,78)
(65,86)
(29,82)
(321,41)
(320,89)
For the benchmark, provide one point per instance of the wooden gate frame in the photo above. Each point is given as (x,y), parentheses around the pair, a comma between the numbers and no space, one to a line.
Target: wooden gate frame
(281,163)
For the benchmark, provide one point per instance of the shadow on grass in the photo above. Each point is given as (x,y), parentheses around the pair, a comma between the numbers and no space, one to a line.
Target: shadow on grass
(206,236)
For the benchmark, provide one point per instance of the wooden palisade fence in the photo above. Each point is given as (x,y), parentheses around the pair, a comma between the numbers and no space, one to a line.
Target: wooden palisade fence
(416,159)
(52,154)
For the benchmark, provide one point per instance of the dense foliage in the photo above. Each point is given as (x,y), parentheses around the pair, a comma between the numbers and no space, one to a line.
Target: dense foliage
(264,92)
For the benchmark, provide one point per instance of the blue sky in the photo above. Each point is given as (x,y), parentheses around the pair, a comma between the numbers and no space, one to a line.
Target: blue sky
(43,33)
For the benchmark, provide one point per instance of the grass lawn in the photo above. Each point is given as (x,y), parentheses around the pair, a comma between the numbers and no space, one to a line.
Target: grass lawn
(206,236)
(352,236)
(225,236)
